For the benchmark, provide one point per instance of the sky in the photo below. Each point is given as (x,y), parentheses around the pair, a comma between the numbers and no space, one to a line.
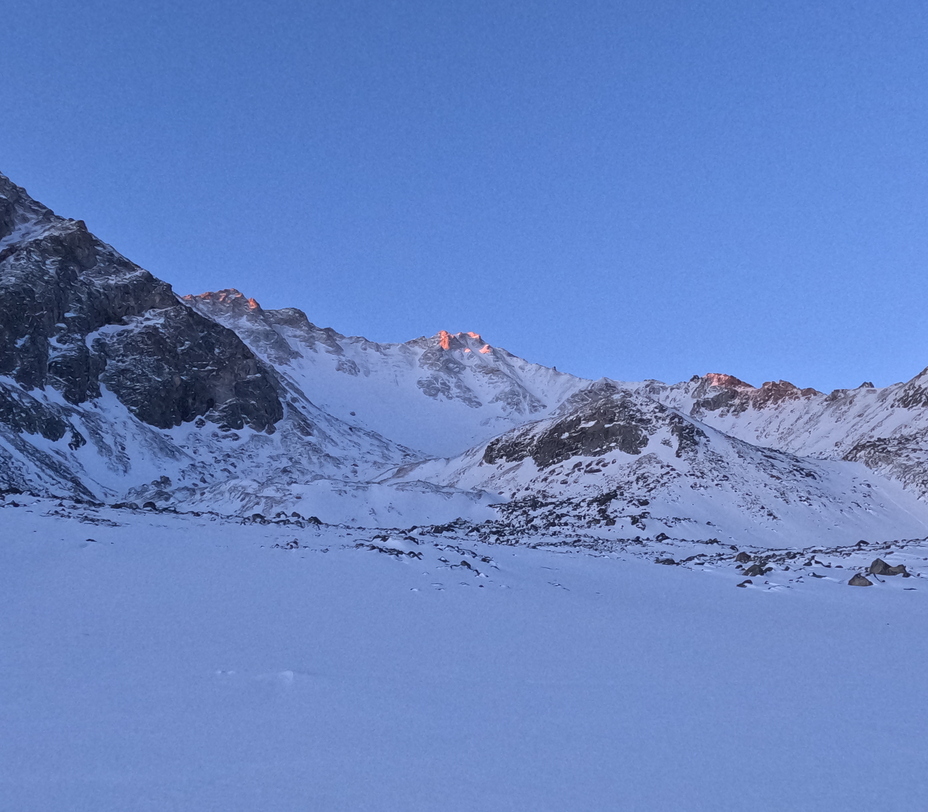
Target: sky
(625,189)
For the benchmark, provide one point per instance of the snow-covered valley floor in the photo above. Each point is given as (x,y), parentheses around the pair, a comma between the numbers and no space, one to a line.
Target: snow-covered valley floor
(151,661)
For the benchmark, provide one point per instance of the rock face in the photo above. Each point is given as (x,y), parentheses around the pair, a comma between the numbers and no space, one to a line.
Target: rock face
(75,315)
(172,366)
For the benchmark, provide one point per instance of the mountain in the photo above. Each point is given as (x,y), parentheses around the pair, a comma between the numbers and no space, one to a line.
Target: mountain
(885,429)
(115,389)
(112,387)
(621,462)
(438,395)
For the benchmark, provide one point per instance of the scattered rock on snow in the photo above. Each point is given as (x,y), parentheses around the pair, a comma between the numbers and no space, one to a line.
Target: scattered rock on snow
(880,567)
(860,580)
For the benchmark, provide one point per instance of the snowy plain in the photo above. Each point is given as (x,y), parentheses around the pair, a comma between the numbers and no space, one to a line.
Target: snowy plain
(159,661)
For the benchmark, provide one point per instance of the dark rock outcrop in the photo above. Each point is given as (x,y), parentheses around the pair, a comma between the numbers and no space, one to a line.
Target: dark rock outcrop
(623,422)
(880,567)
(75,315)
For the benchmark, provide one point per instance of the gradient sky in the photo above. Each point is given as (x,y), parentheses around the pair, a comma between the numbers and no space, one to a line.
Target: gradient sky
(633,189)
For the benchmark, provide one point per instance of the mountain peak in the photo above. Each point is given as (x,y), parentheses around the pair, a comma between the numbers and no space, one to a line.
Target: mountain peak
(468,342)
(228,297)
(724,381)
(21,217)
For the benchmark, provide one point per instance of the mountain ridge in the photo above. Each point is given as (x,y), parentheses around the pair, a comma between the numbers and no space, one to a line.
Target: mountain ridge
(113,387)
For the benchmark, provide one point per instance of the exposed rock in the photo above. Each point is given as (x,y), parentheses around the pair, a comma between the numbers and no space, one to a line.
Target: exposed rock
(75,315)
(860,580)
(622,422)
(743,558)
(880,567)
(233,310)
(171,367)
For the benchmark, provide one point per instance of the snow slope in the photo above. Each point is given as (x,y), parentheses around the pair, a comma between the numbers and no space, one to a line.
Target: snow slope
(167,662)
(439,395)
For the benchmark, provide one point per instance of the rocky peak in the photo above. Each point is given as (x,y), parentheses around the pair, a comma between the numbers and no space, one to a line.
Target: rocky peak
(723,381)
(773,392)
(229,299)
(19,213)
(464,342)
(245,317)
(716,392)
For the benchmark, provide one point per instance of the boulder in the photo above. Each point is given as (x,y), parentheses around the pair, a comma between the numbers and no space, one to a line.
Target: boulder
(880,567)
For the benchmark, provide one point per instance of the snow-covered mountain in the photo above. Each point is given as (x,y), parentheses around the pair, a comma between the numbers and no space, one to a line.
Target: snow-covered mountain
(438,395)
(886,429)
(113,388)
(626,462)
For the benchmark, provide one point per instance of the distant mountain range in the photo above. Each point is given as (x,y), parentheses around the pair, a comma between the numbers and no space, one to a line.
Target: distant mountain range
(114,389)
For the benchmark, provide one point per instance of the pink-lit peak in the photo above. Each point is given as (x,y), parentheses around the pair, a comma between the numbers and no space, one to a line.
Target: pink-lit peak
(726,381)
(228,296)
(459,341)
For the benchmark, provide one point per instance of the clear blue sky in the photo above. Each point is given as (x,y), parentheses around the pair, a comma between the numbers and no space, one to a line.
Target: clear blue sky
(633,189)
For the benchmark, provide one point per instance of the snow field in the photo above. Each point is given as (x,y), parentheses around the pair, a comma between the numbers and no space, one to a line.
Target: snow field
(179,662)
